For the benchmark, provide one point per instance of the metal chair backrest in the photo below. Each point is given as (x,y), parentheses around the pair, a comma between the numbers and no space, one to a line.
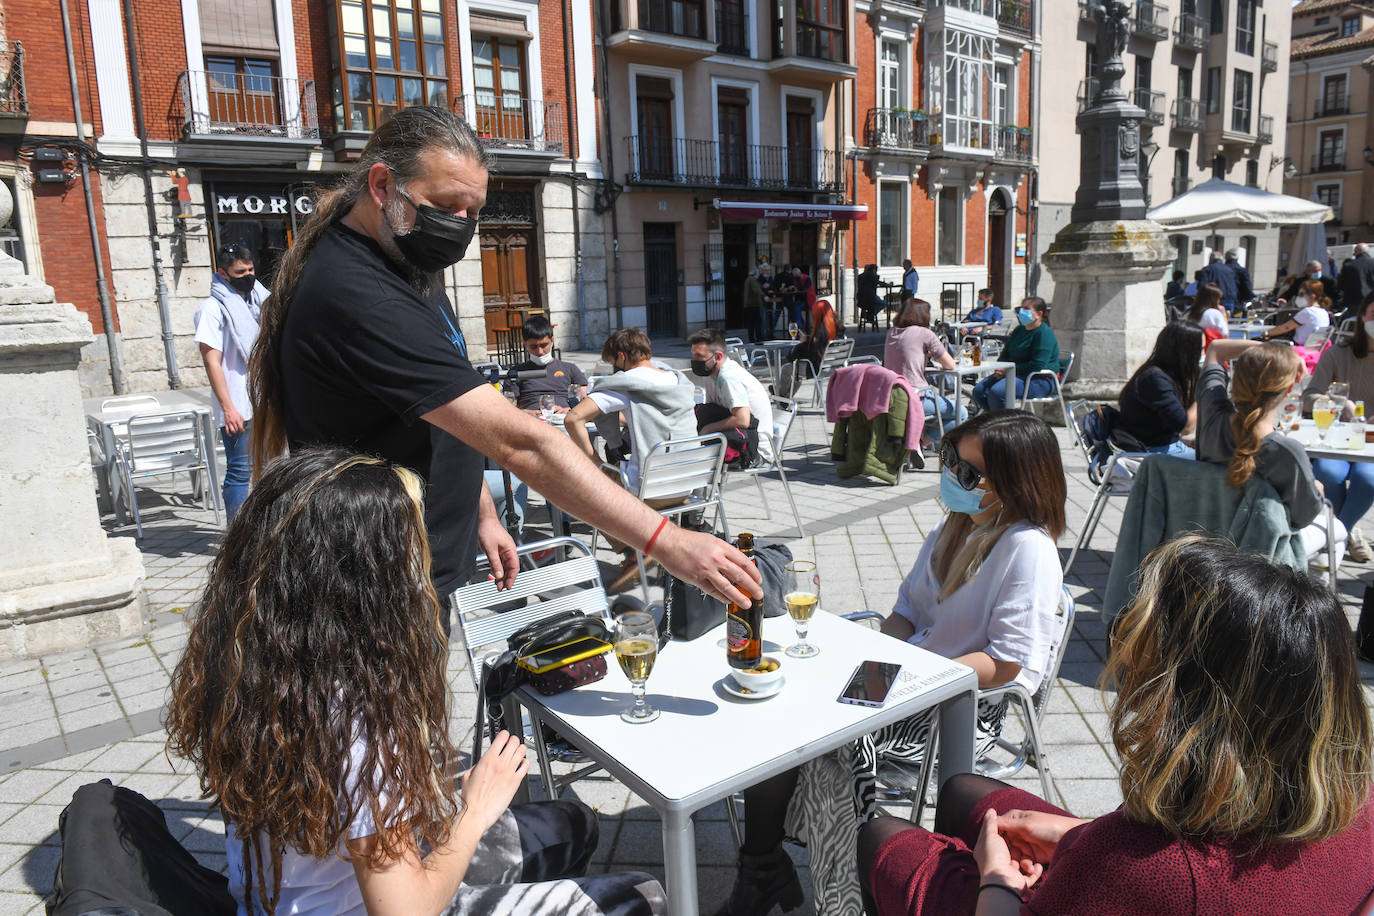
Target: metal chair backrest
(1079,412)
(1066,366)
(571,584)
(164,441)
(680,467)
(131,402)
(736,343)
(784,412)
(837,352)
(1059,644)
(1318,338)
(1346,331)
(992,349)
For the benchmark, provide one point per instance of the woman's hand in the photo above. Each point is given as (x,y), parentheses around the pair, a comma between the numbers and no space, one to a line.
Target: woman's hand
(490,785)
(1034,835)
(995,862)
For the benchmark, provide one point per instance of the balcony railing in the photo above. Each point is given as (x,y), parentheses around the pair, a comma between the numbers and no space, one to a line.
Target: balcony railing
(673,17)
(1151,20)
(655,159)
(1013,142)
(1014,16)
(1152,100)
(1190,32)
(1330,161)
(237,104)
(1181,184)
(897,128)
(732,27)
(509,122)
(14,102)
(1269,59)
(1331,107)
(1266,129)
(1187,115)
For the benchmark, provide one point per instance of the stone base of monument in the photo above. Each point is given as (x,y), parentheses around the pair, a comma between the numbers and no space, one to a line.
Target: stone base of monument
(1108,300)
(77,611)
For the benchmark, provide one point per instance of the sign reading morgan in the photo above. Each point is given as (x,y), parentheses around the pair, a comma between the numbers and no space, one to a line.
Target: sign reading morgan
(231,204)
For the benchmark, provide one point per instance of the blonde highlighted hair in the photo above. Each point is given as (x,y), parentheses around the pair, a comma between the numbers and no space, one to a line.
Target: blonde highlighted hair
(1260,378)
(1239,707)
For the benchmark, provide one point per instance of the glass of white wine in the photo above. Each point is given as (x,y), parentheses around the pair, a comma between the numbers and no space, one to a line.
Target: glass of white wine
(636,647)
(1323,414)
(793,330)
(801,605)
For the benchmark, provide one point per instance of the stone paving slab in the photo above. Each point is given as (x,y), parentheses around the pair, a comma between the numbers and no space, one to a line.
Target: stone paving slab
(78,716)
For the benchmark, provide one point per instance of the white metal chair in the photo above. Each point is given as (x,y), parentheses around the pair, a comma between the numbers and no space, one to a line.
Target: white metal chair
(784,413)
(1346,331)
(131,402)
(837,353)
(162,444)
(1057,379)
(1112,477)
(1318,338)
(906,781)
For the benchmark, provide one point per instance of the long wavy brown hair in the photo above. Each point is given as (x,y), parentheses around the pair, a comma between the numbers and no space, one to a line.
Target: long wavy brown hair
(1239,709)
(319,631)
(1260,379)
(400,145)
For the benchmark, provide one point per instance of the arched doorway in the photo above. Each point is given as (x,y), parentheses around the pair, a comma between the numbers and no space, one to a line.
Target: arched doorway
(999,252)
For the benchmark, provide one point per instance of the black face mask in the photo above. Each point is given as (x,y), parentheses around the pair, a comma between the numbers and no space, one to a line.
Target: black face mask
(242,285)
(436,239)
(700,368)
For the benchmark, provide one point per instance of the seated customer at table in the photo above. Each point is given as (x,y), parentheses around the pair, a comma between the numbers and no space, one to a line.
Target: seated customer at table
(984,591)
(871,302)
(737,405)
(911,346)
(1348,484)
(1157,405)
(1245,769)
(314,702)
(985,311)
(1240,433)
(1206,311)
(561,379)
(824,328)
(1031,346)
(1313,314)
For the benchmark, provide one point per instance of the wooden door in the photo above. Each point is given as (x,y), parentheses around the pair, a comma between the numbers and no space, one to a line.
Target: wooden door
(654,106)
(731,108)
(800,136)
(508,280)
(998,262)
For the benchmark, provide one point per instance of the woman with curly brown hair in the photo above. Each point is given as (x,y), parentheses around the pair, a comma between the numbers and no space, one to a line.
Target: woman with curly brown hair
(1245,769)
(312,699)
(1237,430)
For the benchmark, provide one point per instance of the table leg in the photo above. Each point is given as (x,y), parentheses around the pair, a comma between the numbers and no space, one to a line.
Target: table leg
(1012,400)
(680,862)
(957,717)
(958,402)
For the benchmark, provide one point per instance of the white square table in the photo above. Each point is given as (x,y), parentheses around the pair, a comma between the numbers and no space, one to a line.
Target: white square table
(707,745)
(1336,446)
(962,371)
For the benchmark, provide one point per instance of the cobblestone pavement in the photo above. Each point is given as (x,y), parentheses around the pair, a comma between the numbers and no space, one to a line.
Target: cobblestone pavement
(77,716)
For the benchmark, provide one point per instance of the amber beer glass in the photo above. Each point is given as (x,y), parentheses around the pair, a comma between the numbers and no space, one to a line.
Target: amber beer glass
(744,626)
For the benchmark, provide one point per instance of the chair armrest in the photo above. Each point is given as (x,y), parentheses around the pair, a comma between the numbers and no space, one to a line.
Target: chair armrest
(862,616)
(618,472)
(1008,689)
(1116,456)
(863,360)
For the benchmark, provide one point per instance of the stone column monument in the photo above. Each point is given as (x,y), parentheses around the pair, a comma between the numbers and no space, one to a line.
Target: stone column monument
(62,581)
(1108,262)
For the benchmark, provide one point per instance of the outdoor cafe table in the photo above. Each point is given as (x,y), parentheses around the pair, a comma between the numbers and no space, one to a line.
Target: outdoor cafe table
(1249,330)
(1335,447)
(776,350)
(112,423)
(962,371)
(707,745)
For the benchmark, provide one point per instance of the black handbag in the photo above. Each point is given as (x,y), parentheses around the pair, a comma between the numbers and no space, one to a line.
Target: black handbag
(689,611)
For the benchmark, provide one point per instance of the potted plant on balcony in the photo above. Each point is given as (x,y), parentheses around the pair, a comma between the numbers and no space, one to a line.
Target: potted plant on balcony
(918,115)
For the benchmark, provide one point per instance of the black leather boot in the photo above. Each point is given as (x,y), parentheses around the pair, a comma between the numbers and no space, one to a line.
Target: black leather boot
(762,882)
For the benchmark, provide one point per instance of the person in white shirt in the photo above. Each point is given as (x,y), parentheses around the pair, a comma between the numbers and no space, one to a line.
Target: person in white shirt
(748,423)
(984,591)
(226,330)
(1207,312)
(1313,314)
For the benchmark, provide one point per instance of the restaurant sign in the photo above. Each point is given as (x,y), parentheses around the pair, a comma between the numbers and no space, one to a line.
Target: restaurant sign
(230,204)
(733,209)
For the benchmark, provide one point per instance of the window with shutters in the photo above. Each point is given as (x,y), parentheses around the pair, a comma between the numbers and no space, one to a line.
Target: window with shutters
(385,55)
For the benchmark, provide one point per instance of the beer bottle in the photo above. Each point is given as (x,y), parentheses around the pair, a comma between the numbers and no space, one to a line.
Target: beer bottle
(744,626)
(978,351)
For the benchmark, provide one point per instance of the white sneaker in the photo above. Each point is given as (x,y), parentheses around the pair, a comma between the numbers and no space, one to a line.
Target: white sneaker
(1356,547)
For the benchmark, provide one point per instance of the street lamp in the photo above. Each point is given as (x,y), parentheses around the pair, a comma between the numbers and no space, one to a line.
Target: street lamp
(1290,168)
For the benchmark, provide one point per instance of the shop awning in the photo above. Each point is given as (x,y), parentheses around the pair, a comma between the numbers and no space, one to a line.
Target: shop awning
(749,209)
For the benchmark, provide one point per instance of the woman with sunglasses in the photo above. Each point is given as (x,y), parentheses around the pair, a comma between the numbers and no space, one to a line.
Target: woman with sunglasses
(984,591)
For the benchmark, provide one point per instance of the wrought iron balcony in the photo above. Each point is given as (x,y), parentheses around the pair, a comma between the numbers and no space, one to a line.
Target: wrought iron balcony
(1266,129)
(732,27)
(1152,100)
(657,159)
(1014,16)
(510,122)
(1151,20)
(1335,106)
(1269,57)
(1329,161)
(1190,32)
(897,129)
(1181,184)
(14,102)
(1013,142)
(1187,115)
(219,104)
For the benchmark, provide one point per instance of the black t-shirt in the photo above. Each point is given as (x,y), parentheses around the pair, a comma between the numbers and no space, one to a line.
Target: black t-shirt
(557,377)
(363,357)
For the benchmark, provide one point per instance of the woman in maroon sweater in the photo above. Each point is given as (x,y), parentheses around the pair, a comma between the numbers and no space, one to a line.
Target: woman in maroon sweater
(1245,769)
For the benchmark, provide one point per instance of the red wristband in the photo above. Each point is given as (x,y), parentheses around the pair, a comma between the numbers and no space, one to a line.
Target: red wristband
(654,540)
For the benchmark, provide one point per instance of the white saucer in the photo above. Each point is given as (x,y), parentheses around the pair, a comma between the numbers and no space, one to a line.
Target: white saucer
(728,684)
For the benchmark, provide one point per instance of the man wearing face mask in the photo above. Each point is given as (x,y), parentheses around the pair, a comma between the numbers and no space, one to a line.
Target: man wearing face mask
(561,379)
(226,329)
(360,343)
(737,404)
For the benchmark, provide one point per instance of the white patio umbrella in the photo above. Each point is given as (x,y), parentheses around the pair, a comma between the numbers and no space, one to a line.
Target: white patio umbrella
(1217,203)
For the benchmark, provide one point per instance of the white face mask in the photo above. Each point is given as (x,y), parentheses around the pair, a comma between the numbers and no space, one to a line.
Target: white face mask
(1369,329)
(1302,302)
(543,359)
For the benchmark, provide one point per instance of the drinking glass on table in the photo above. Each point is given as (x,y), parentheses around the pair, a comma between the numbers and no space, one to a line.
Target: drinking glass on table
(546,409)
(1323,414)
(801,605)
(636,647)
(793,330)
(1340,393)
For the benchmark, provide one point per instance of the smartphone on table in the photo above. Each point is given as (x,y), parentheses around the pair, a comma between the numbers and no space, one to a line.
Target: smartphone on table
(870,684)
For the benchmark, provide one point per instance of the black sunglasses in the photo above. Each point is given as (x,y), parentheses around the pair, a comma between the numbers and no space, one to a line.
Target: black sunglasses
(967,476)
